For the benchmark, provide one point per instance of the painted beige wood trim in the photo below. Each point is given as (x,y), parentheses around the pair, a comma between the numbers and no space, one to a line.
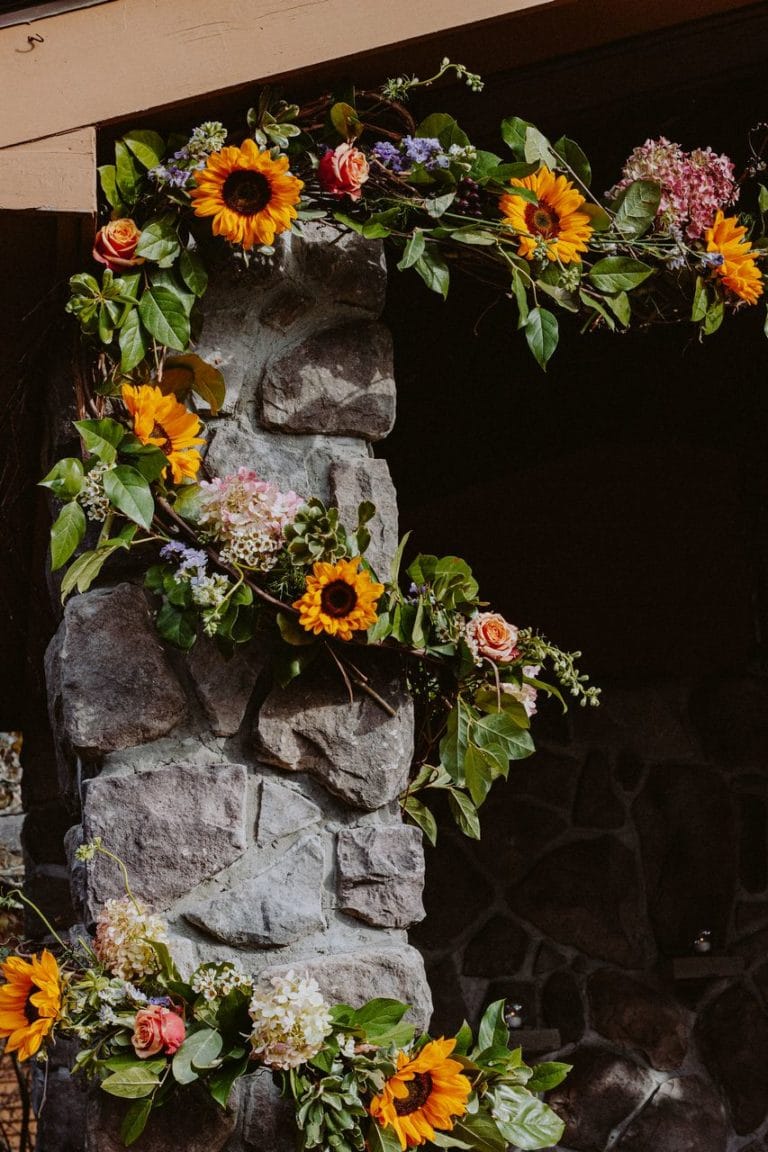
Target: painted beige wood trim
(55,174)
(102,63)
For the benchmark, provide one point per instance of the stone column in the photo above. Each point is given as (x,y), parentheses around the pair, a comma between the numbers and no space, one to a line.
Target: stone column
(262,822)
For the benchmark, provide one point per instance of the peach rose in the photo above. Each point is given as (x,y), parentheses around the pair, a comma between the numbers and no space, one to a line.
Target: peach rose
(115,245)
(489,635)
(157,1029)
(342,171)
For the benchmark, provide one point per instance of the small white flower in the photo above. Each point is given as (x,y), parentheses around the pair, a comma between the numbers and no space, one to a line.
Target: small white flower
(290,1022)
(125,932)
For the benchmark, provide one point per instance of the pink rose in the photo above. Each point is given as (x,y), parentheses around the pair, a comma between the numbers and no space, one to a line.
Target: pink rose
(489,635)
(157,1029)
(342,171)
(115,245)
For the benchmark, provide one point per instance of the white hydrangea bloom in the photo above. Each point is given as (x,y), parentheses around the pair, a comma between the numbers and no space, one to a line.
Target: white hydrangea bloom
(124,934)
(290,1021)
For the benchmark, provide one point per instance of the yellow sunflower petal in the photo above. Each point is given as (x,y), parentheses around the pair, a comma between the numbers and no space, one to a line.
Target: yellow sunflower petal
(251,197)
(339,599)
(554,226)
(162,421)
(426,1093)
(739,271)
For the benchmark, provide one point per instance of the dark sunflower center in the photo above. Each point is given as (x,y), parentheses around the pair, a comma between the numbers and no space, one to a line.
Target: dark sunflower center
(419,1090)
(32,1014)
(541,220)
(338,598)
(246,192)
(158,433)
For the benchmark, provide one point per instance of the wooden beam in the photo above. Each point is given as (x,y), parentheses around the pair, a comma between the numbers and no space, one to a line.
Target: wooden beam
(55,174)
(118,59)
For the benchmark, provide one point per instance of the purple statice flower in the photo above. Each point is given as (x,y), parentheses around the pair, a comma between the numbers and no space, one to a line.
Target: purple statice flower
(424,150)
(388,155)
(712,259)
(188,559)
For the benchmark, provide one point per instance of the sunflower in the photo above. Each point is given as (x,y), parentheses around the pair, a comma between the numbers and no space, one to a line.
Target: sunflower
(30,1002)
(553,225)
(251,196)
(160,420)
(426,1092)
(338,599)
(738,271)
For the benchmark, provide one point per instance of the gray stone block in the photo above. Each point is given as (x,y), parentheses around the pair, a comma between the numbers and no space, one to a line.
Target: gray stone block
(272,908)
(339,382)
(225,685)
(110,684)
(381,874)
(173,827)
(283,812)
(353,481)
(191,1120)
(267,1119)
(355,977)
(355,749)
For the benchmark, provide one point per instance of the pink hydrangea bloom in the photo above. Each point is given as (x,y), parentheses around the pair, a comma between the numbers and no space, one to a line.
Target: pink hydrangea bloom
(694,185)
(248,516)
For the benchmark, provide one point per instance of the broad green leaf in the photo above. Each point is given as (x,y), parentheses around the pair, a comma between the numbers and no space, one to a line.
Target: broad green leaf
(597,305)
(164,315)
(130,493)
(542,334)
(480,1132)
(481,768)
(65,478)
(380,1139)
(108,181)
(197,1053)
(513,131)
(599,218)
(436,206)
(83,571)
(490,701)
(421,816)
(67,532)
(443,127)
(413,250)
(193,271)
(463,1040)
(134,1121)
(126,175)
(177,626)
(471,234)
(159,240)
(762,199)
(538,148)
(167,278)
(346,121)
(131,1082)
(636,208)
(292,632)
(133,342)
(547,1076)
(187,502)
(453,746)
(502,730)
(434,271)
(714,317)
(528,1123)
(374,230)
(619,274)
(147,146)
(521,298)
(483,164)
(493,1031)
(464,813)
(574,159)
(101,438)
(448,1140)
(222,1080)
(621,307)
(190,373)
(145,458)
(700,300)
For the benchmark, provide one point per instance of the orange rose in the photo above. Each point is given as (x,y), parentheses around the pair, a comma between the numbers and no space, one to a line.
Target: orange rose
(157,1029)
(115,245)
(342,171)
(489,636)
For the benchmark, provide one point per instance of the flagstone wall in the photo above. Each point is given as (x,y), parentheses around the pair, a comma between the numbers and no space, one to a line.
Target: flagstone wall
(262,822)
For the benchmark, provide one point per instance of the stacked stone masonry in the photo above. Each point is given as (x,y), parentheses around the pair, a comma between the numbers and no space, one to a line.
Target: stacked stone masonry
(262,822)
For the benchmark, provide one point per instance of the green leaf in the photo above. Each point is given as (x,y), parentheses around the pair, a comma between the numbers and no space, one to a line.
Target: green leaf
(221,1082)
(444,128)
(714,317)
(67,532)
(133,342)
(574,159)
(197,1053)
(434,271)
(463,1039)
(126,175)
(528,1122)
(471,234)
(83,571)
(146,458)
(700,300)
(480,1132)
(619,274)
(292,632)
(600,220)
(132,1082)
(165,316)
(193,271)
(159,240)
(346,121)
(413,250)
(190,373)
(464,813)
(147,146)
(538,148)
(493,1031)
(542,334)
(130,493)
(101,438)
(178,627)
(513,131)
(380,1139)
(502,730)
(547,1076)
(436,206)
(480,771)
(134,1121)
(621,307)
(108,181)
(65,479)
(636,208)
(762,199)
(421,816)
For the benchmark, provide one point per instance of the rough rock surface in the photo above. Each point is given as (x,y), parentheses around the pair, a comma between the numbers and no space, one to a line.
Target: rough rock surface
(602,1091)
(339,380)
(99,703)
(355,749)
(683,1115)
(562,1007)
(634,1015)
(172,827)
(194,1122)
(381,874)
(732,1034)
(353,481)
(283,811)
(225,686)
(267,1121)
(271,909)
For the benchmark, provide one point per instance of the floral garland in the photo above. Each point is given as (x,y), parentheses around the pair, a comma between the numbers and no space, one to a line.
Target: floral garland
(357,1078)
